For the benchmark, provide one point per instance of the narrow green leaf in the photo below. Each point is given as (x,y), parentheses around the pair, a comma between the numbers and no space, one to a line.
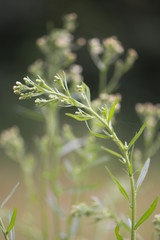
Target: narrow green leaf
(111,112)
(137,136)
(143,174)
(74,226)
(87,92)
(119,237)
(65,83)
(126,223)
(97,162)
(121,189)
(95,134)
(52,201)
(12,232)
(8,197)
(104,110)
(131,161)
(11,224)
(79,117)
(147,214)
(112,152)
(107,133)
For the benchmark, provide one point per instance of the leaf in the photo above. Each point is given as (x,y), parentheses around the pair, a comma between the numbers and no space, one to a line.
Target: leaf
(143,174)
(126,223)
(97,162)
(104,110)
(79,117)
(74,226)
(137,136)
(112,152)
(119,237)
(95,134)
(121,189)
(111,112)
(131,161)
(8,197)
(86,91)
(13,218)
(52,201)
(65,83)
(147,213)
(12,232)
(29,113)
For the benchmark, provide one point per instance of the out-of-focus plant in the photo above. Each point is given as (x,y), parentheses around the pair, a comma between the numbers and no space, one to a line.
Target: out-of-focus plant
(151,138)
(106,56)
(156,222)
(149,113)
(60,154)
(13,144)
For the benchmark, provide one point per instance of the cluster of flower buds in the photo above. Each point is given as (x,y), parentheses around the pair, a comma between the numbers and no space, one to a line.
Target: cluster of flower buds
(149,112)
(105,52)
(95,46)
(27,90)
(107,100)
(112,45)
(24,91)
(75,74)
(156,222)
(12,143)
(96,210)
(70,21)
(130,59)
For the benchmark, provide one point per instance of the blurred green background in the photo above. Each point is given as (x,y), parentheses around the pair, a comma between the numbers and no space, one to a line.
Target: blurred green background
(136,24)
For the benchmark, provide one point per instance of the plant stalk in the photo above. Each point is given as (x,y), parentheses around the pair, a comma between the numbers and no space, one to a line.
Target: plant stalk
(3,230)
(132,183)
(133,208)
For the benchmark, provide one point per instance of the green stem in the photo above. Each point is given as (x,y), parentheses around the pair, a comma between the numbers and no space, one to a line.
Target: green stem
(3,230)
(43,207)
(52,123)
(132,183)
(103,79)
(133,207)
(113,136)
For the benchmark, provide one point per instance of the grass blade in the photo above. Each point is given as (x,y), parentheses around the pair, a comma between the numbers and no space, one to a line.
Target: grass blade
(143,174)
(147,213)
(121,189)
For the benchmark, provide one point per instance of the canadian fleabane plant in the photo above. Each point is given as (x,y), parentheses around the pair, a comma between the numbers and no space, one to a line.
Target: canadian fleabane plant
(102,117)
